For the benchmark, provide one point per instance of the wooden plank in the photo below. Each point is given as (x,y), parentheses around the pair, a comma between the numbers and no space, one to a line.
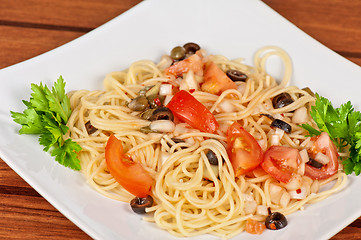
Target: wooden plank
(18,44)
(339,28)
(75,13)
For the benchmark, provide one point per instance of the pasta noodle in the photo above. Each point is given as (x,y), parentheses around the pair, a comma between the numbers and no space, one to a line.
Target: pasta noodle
(192,196)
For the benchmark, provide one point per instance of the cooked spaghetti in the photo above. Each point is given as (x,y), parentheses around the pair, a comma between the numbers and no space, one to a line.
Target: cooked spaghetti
(191,195)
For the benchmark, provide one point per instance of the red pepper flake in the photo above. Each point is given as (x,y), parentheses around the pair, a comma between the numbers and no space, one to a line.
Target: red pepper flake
(273,226)
(298,191)
(157,101)
(192,90)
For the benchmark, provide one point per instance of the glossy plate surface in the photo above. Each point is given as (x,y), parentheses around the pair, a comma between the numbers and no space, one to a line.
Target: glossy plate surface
(234,28)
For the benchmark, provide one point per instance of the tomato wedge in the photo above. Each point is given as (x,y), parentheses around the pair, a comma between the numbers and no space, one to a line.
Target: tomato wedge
(243,150)
(129,174)
(188,109)
(324,145)
(281,162)
(215,80)
(193,63)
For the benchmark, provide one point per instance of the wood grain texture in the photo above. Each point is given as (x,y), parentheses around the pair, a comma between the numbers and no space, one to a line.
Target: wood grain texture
(29,28)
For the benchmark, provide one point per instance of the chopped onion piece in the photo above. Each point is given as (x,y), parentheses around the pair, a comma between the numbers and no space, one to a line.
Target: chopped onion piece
(262,210)
(322,158)
(275,192)
(165,89)
(299,193)
(167,99)
(275,140)
(164,157)
(304,159)
(241,87)
(165,62)
(294,184)
(226,106)
(300,116)
(162,126)
(285,199)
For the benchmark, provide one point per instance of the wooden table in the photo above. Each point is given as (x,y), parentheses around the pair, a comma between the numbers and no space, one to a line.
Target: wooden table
(29,28)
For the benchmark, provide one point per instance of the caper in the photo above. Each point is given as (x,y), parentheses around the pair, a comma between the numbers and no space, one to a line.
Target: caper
(178,53)
(162,113)
(309,91)
(191,48)
(275,220)
(278,123)
(236,75)
(146,129)
(90,128)
(282,100)
(155,100)
(147,114)
(144,90)
(139,205)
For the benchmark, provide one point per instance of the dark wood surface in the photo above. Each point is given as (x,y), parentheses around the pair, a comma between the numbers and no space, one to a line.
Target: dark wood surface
(29,28)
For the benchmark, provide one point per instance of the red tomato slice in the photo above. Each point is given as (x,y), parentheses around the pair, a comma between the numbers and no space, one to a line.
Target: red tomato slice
(215,80)
(243,150)
(281,162)
(193,63)
(325,145)
(129,174)
(188,109)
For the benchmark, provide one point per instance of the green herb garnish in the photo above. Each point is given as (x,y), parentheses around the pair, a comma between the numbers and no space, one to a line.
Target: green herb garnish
(343,125)
(47,113)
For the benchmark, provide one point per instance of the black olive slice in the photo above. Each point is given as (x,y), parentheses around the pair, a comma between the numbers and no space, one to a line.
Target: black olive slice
(312,162)
(278,123)
(236,75)
(275,220)
(162,113)
(139,205)
(191,47)
(212,157)
(90,128)
(282,100)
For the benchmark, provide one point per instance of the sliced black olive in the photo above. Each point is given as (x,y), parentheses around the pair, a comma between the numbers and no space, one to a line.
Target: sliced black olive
(268,116)
(212,157)
(139,205)
(282,100)
(275,220)
(177,140)
(312,162)
(191,48)
(236,75)
(162,113)
(139,103)
(178,53)
(90,128)
(278,123)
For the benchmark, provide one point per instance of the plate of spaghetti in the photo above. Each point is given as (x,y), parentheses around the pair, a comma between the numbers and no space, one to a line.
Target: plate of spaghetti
(199,137)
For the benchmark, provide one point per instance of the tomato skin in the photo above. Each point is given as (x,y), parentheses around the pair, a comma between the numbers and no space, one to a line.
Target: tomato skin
(281,162)
(243,150)
(188,109)
(193,63)
(215,80)
(325,145)
(129,174)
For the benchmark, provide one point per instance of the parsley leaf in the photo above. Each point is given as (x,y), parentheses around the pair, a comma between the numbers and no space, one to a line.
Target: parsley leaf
(343,125)
(47,114)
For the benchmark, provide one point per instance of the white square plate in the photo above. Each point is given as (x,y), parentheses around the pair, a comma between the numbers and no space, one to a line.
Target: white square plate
(234,28)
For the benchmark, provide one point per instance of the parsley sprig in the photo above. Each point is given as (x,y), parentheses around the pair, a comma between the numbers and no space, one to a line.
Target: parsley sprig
(343,125)
(46,114)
